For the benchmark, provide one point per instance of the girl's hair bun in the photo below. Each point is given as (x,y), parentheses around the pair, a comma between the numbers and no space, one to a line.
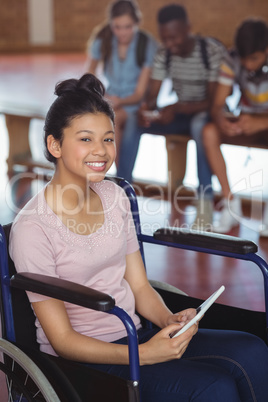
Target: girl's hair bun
(87,82)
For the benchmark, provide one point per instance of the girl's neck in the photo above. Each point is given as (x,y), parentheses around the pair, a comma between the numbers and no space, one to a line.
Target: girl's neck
(75,208)
(63,194)
(64,180)
(122,50)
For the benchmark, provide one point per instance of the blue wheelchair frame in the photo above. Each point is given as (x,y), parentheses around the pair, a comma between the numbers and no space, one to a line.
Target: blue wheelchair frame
(203,242)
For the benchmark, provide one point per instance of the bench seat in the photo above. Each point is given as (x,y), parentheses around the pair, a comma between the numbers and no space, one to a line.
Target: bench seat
(176,145)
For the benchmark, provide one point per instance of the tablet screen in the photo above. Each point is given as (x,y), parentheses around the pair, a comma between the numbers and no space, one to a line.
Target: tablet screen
(201,310)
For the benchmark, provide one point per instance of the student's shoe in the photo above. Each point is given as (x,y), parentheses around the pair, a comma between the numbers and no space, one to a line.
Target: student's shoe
(204,215)
(264,225)
(229,216)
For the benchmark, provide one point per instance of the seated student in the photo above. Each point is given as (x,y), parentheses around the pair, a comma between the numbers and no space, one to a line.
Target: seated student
(248,67)
(80,228)
(192,63)
(127,54)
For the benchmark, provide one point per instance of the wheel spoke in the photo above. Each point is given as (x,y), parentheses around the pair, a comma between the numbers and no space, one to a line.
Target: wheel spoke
(24,380)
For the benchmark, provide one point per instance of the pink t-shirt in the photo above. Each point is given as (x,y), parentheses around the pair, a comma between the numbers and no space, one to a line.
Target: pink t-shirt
(41,243)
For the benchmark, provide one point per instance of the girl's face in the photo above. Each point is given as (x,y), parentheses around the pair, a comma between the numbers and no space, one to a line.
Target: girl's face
(124,27)
(88,148)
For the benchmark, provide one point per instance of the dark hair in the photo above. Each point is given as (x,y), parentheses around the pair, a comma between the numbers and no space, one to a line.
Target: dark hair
(251,37)
(123,7)
(172,12)
(75,97)
(116,9)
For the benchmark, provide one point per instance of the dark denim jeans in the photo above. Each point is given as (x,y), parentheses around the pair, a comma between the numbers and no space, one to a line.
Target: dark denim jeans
(218,366)
(182,124)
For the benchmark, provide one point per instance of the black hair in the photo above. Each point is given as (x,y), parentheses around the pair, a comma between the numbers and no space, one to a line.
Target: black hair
(75,97)
(251,37)
(172,12)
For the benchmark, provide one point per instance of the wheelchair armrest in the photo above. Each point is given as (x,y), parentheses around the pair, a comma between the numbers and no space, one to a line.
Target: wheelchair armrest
(63,290)
(205,240)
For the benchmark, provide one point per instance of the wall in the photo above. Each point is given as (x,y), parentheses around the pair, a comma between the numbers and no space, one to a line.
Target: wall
(74,20)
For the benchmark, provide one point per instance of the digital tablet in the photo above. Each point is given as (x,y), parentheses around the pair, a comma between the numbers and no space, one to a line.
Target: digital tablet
(201,310)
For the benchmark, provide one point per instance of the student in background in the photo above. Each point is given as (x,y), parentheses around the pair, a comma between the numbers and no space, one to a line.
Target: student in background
(192,63)
(247,67)
(126,54)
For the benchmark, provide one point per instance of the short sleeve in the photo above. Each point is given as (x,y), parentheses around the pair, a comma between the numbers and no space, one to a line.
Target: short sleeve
(159,66)
(95,49)
(32,251)
(227,71)
(216,52)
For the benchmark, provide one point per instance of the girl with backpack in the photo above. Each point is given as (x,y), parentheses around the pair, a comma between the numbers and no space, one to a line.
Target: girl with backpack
(126,54)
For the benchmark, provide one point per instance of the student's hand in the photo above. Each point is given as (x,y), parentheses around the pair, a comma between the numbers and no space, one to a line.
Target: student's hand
(146,116)
(250,124)
(228,127)
(161,348)
(167,114)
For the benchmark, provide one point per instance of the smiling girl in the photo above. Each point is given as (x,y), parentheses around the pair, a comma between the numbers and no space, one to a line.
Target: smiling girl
(212,366)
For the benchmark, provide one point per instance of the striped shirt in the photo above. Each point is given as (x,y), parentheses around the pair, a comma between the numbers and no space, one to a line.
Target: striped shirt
(253,87)
(189,74)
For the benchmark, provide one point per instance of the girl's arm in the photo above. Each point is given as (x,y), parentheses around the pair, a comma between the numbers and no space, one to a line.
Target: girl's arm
(92,65)
(140,90)
(160,347)
(70,344)
(148,302)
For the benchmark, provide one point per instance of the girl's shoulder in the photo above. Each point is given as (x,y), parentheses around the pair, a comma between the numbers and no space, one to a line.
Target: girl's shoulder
(35,216)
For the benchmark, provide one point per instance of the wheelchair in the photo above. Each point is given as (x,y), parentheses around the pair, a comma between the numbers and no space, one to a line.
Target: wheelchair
(35,376)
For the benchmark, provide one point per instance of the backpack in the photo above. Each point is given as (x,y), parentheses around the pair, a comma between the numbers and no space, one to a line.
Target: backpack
(141,48)
(204,52)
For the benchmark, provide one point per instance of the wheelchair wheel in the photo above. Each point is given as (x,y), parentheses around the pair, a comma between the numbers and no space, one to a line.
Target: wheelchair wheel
(25,381)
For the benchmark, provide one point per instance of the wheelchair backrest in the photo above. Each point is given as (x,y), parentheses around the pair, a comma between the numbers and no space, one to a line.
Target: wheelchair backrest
(15,301)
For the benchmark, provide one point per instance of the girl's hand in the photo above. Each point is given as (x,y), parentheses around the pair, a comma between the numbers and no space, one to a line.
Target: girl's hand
(182,317)
(161,348)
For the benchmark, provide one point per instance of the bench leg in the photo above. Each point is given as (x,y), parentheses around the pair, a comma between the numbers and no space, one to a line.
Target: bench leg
(18,132)
(176,152)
